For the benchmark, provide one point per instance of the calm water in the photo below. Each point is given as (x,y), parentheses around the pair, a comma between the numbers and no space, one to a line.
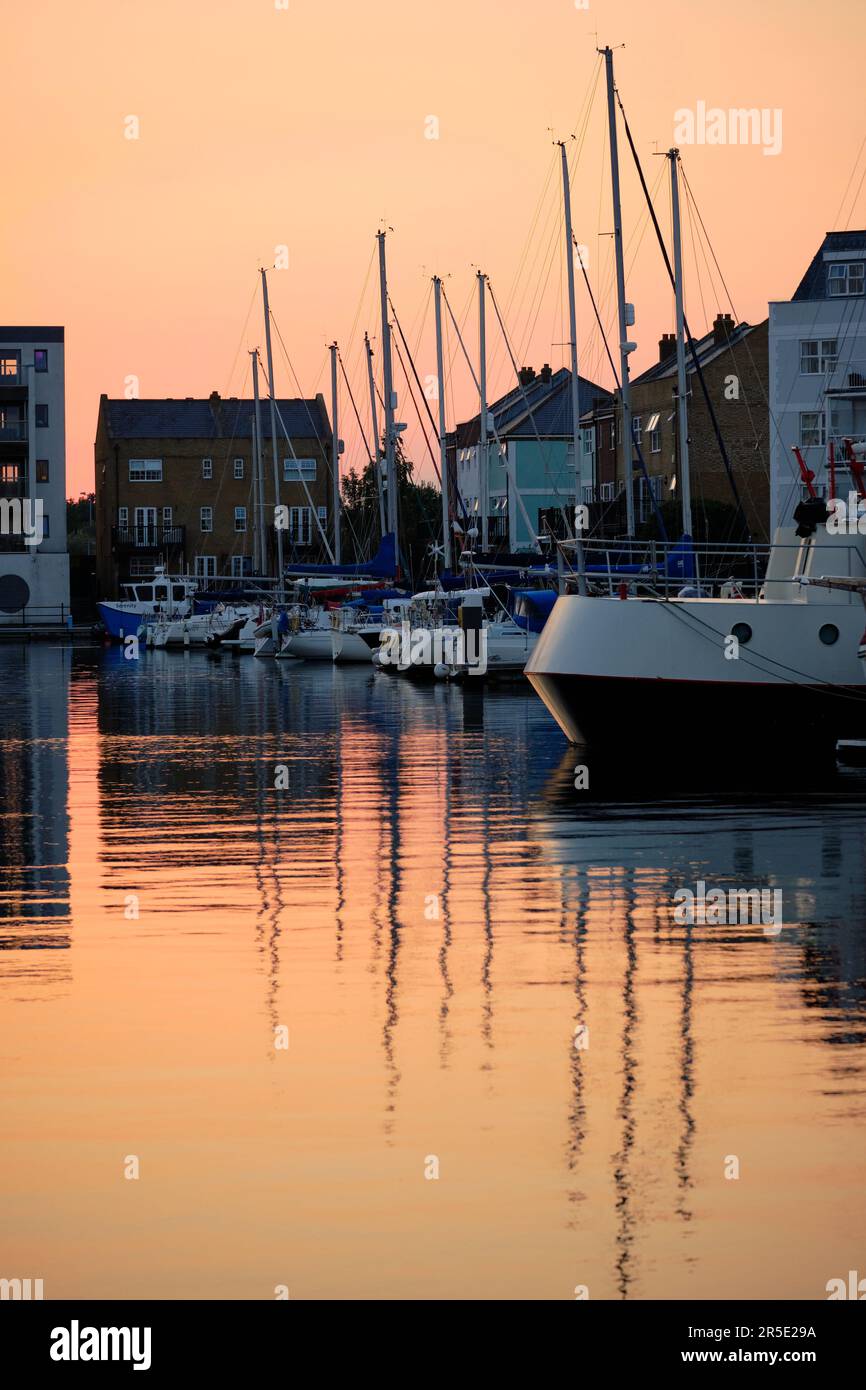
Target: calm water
(430,910)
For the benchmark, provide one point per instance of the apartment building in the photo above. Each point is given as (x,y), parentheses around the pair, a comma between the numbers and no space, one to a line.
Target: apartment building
(818,368)
(34,565)
(175,486)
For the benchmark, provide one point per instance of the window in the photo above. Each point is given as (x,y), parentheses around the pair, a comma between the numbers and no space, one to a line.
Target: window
(845,277)
(811,428)
(207,468)
(294,470)
(206,519)
(123,518)
(178,592)
(636,422)
(166,518)
(818,355)
(241,565)
(588,492)
(41,416)
(613,434)
(239,468)
(299,525)
(205,566)
(46,526)
(139,566)
(588,442)
(655,441)
(240,518)
(10,366)
(606,492)
(322,514)
(10,472)
(40,357)
(145,470)
(42,470)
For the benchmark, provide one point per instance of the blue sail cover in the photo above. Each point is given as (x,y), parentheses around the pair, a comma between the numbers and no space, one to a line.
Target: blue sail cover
(382,566)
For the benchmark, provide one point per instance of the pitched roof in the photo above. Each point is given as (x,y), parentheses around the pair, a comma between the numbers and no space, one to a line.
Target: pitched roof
(542,406)
(814,283)
(213,418)
(707,350)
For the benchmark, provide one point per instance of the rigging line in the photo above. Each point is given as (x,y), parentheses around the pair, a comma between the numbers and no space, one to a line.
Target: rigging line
(430,449)
(771,414)
(355,408)
(415,373)
(529,527)
(698,371)
(545,452)
(827,687)
(848,184)
(854,202)
(253,298)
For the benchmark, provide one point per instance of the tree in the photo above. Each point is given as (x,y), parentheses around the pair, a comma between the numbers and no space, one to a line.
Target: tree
(419,511)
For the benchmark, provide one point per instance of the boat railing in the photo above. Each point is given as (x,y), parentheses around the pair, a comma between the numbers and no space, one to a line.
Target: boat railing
(709,569)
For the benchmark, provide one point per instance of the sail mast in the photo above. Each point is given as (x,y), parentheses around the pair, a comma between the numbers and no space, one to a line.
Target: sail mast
(390,400)
(625,311)
(377,452)
(443,452)
(259,541)
(272,396)
(682,382)
(335,456)
(575,379)
(483,446)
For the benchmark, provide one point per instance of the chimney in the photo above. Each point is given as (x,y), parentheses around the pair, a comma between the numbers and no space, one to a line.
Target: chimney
(526,375)
(546,372)
(667,346)
(723,329)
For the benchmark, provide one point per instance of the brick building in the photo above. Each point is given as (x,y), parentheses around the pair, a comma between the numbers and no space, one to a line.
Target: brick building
(174,486)
(734,362)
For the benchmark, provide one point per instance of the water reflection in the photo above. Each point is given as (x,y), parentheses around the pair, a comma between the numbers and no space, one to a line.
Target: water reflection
(475,961)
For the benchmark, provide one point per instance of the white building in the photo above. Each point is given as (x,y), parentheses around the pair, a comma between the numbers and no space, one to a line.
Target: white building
(818,370)
(34,564)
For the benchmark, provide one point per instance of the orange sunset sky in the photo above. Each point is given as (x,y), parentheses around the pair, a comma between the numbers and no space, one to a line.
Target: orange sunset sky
(305,126)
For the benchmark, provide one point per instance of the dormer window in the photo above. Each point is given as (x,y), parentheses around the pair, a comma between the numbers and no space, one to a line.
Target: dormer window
(845,278)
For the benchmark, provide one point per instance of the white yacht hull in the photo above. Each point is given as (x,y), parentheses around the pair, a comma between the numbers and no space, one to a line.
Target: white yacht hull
(348,646)
(617,671)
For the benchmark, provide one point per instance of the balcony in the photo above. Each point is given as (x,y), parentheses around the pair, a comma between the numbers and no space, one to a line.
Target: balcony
(147,537)
(13,431)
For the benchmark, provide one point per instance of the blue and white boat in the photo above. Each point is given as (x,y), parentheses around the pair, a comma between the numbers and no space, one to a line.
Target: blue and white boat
(163,595)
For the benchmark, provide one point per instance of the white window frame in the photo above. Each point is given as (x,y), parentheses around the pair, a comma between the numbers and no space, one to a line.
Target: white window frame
(242,566)
(145,470)
(207,468)
(123,518)
(238,465)
(656,440)
(823,352)
(299,470)
(300,525)
(840,286)
(167,522)
(205,566)
(606,492)
(205,529)
(818,429)
(636,426)
(240,517)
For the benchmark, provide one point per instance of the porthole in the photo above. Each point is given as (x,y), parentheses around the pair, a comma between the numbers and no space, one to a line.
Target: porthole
(829,634)
(742,632)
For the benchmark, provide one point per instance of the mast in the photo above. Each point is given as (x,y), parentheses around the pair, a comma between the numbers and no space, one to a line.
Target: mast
(682,403)
(575,380)
(443,453)
(483,446)
(270,357)
(377,452)
(625,311)
(390,400)
(259,533)
(335,456)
